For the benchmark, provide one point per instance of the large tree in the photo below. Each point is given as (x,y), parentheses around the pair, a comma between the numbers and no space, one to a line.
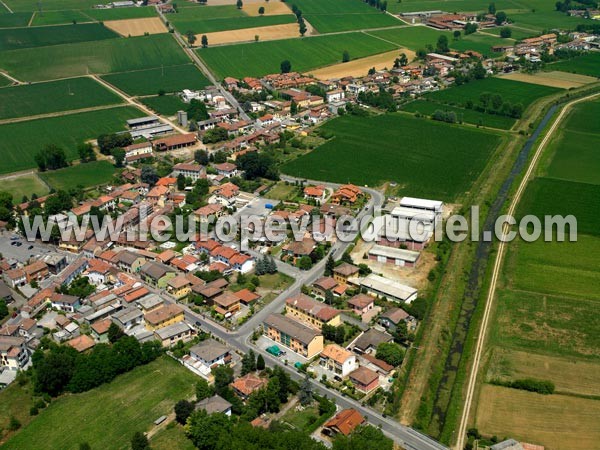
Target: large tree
(285,66)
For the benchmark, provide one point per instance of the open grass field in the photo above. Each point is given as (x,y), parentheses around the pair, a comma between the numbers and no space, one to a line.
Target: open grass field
(545,19)
(360,67)
(267,33)
(261,58)
(478,42)
(137,27)
(558,422)
(100,57)
(203,26)
(166,105)
(62,95)
(14,20)
(22,185)
(61,17)
(172,437)
(587,64)
(510,90)
(569,375)
(554,78)
(19,38)
(414,38)
(150,81)
(49,5)
(467,115)
(89,174)
(21,141)
(108,416)
(426,158)
(517,33)
(15,401)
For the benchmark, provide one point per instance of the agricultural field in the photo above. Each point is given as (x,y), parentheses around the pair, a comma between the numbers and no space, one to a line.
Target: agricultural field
(90,15)
(137,27)
(481,43)
(139,396)
(4,81)
(171,437)
(553,78)
(49,5)
(456,5)
(370,151)
(467,115)
(151,81)
(257,59)
(14,20)
(54,96)
(517,33)
(359,67)
(587,64)
(19,38)
(202,26)
(511,91)
(21,141)
(268,33)
(100,57)
(166,105)
(343,15)
(414,38)
(93,173)
(20,185)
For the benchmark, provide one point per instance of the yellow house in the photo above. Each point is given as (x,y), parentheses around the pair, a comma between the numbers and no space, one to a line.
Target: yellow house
(179,286)
(312,312)
(163,317)
(344,271)
(299,338)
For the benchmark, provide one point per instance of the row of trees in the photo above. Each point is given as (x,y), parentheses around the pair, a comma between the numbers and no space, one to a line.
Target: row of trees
(266,265)
(51,157)
(495,104)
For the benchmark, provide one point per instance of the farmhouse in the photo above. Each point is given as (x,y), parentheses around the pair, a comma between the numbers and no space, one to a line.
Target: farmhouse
(174,142)
(383,287)
(395,256)
(311,311)
(301,339)
(138,151)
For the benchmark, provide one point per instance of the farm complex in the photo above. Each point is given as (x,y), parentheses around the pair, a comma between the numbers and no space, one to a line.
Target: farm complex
(347,224)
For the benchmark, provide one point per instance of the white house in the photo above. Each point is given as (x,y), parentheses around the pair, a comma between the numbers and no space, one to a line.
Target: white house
(14,355)
(338,360)
(335,95)
(209,353)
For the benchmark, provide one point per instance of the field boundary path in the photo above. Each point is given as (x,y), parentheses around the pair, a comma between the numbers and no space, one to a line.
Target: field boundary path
(498,266)
(7,8)
(59,113)
(10,77)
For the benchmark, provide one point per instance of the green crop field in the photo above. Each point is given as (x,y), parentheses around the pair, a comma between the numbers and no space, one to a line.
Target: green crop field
(14,20)
(49,5)
(61,17)
(22,140)
(454,6)
(193,13)
(4,81)
(343,15)
(199,26)
(257,59)
(62,95)
(411,37)
(516,33)
(101,57)
(480,43)
(545,19)
(91,15)
(121,13)
(108,416)
(426,158)
(18,38)
(151,81)
(577,157)
(467,115)
(86,175)
(587,64)
(510,90)
(22,185)
(167,105)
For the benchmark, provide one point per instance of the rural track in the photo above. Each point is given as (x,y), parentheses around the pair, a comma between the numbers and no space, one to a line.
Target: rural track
(497,268)
(59,113)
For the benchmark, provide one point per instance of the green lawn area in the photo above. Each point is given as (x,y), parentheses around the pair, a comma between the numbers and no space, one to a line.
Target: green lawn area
(87,175)
(107,417)
(22,140)
(467,115)
(275,281)
(282,191)
(199,12)
(257,59)
(172,437)
(24,185)
(301,420)
(426,158)
(100,57)
(545,19)
(510,90)
(19,38)
(149,82)
(210,25)
(587,64)
(62,95)
(120,13)
(166,105)
(14,20)
(15,401)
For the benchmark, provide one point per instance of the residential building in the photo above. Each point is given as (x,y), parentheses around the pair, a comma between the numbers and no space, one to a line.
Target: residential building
(391,318)
(347,194)
(15,277)
(338,360)
(225,195)
(226,169)
(226,304)
(66,303)
(100,329)
(344,422)
(323,285)
(210,353)
(14,354)
(361,304)
(81,343)
(128,318)
(299,338)
(172,334)
(214,404)
(365,380)
(245,386)
(189,170)
(150,303)
(129,261)
(37,270)
(204,213)
(179,286)
(343,272)
(311,311)
(163,317)
(317,193)
(157,274)
(370,340)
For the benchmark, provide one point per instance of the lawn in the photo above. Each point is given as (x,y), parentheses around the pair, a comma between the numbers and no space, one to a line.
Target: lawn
(24,185)
(301,420)
(62,95)
(107,417)
(587,64)
(171,437)
(15,401)
(106,56)
(14,20)
(21,141)
(511,91)
(467,115)
(282,191)
(19,38)
(426,158)
(210,25)
(87,175)
(261,58)
(151,81)
(166,105)
(545,19)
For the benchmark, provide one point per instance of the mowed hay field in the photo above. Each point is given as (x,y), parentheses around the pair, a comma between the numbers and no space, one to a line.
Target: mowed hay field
(267,33)
(19,38)
(21,141)
(426,158)
(137,27)
(555,78)
(100,57)
(20,185)
(138,397)
(89,174)
(262,58)
(587,64)
(545,324)
(151,81)
(360,67)
(54,96)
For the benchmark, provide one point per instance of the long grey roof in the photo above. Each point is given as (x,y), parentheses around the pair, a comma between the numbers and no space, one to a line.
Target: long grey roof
(292,328)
